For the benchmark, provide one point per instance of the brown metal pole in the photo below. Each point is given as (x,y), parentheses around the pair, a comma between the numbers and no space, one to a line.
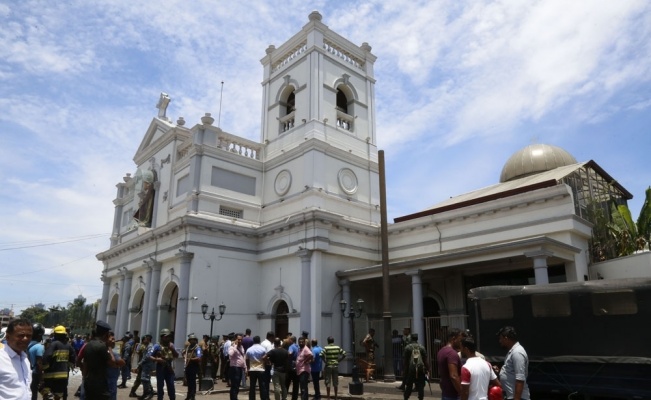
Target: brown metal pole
(389,374)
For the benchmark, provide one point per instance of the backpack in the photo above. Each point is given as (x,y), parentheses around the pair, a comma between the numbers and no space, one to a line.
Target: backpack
(416,360)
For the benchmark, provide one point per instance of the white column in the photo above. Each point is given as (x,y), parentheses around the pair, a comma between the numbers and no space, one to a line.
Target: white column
(417,300)
(106,289)
(152,295)
(145,307)
(346,328)
(181,328)
(540,265)
(117,217)
(125,294)
(306,303)
(121,304)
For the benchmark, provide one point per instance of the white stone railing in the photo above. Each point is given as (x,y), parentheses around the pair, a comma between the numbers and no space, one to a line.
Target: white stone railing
(345,121)
(344,55)
(183,152)
(287,122)
(230,143)
(292,54)
(238,145)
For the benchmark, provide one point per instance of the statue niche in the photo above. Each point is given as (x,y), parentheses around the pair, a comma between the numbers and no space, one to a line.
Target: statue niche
(147,192)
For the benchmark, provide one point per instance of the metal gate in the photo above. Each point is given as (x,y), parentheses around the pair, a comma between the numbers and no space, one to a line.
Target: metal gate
(435,338)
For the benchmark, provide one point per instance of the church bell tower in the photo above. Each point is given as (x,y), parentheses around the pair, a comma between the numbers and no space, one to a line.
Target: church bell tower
(318,120)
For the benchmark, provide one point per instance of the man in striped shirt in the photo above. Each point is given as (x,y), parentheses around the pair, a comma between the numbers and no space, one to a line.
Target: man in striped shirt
(332,354)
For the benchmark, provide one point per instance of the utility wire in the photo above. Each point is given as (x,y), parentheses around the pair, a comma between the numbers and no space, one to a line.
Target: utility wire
(74,239)
(44,269)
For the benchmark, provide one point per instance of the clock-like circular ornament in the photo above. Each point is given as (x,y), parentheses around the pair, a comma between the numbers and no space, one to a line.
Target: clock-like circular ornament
(283,182)
(347,181)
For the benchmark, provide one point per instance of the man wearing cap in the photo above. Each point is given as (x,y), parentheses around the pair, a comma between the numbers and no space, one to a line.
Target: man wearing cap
(35,352)
(95,362)
(163,353)
(15,376)
(137,353)
(192,355)
(56,364)
(127,348)
(204,344)
(225,360)
(147,366)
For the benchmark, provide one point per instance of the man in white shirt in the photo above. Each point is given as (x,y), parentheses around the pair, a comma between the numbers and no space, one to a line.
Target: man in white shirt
(268,345)
(476,373)
(15,371)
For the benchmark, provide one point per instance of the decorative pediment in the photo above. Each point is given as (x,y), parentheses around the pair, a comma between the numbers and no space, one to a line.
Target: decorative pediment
(155,135)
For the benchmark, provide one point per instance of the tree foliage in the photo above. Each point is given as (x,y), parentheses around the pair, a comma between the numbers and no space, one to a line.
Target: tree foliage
(614,234)
(77,315)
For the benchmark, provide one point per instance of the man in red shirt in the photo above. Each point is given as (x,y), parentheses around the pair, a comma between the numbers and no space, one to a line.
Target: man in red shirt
(449,365)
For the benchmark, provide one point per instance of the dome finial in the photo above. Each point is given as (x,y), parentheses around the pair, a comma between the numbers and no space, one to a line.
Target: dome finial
(534,159)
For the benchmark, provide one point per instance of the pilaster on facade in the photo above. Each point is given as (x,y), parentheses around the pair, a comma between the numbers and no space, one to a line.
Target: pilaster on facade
(417,301)
(346,333)
(182,319)
(540,265)
(306,304)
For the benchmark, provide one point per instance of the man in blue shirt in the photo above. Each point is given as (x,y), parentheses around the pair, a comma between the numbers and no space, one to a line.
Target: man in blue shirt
(513,374)
(254,357)
(35,351)
(317,367)
(292,376)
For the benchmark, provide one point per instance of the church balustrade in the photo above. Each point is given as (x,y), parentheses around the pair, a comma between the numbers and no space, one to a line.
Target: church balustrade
(344,121)
(230,143)
(287,122)
(183,151)
(343,54)
(238,145)
(289,56)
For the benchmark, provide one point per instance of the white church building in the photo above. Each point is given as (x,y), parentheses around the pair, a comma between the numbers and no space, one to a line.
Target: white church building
(281,230)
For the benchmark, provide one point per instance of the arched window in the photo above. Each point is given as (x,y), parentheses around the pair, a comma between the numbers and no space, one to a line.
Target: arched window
(345,118)
(291,104)
(287,110)
(342,101)
(281,325)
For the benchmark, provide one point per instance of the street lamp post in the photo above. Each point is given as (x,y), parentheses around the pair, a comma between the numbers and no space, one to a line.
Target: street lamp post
(356,387)
(207,383)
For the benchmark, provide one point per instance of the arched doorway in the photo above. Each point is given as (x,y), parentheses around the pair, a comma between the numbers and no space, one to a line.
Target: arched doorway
(136,311)
(112,312)
(281,318)
(431,307)
(168,306)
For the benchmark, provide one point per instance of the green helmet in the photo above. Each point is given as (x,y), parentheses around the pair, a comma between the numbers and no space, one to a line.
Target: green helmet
(165,332)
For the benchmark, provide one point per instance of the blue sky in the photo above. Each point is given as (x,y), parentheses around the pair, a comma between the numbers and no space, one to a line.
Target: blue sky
(461,85)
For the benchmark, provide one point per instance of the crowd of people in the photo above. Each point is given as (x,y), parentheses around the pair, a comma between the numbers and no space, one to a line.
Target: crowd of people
(29,365)
(466,375)
(273,365)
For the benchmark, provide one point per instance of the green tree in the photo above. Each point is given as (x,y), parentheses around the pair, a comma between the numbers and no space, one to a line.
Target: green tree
(36,313)
(644,220)
(80,314)
(614,234)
